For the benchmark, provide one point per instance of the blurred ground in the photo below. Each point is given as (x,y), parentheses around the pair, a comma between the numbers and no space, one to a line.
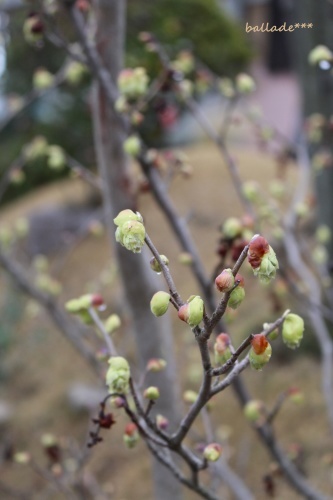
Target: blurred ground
(38,365)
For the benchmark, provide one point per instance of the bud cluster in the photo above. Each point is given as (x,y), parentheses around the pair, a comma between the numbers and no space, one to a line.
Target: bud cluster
(118,375)
(130,231)
(262,259)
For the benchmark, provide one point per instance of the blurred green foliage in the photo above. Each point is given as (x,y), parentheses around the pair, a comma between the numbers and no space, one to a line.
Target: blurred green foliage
(64,116)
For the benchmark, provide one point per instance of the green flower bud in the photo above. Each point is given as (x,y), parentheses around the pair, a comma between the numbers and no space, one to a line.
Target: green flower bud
(184,62)
(131,435)
(268,267)
(156,365)
(251,190)
(277,189)
(126,216)
(152,393)
(323,234)
(212,452)
(245,84)
(159,303)
(22,457)
(185,89)
(318,54)
(36,149)
(133,83)
(222,350)
(226,87)
(320,255)
(22,227)
(112,323)
(232,228)
(56,158)
(295,395)
(42,79)
(254,411)
(155,265)
(185,258)
(258,361)
(190,397)
(48,440)
(118,375)
(192,312)
(33,29)
(132,145)
(17,176)
(75,72)
(236,297)
(131,235)
(292,330)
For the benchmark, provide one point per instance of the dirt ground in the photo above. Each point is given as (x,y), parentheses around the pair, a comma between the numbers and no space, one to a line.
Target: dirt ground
(38,365)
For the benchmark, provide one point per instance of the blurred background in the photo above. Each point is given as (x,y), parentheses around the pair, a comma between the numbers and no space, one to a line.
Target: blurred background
(45,387)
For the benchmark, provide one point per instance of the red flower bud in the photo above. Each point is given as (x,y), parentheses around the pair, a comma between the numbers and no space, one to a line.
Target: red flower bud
(131,429)
(225,281)
(259,343)
(257,249)
(97,300)
(183,312)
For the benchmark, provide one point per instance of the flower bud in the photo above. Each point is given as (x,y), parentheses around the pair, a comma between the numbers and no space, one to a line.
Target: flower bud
(17,176)
(152,393)
(251,190)
(222,349)
(131,235)
(320,255)
(254,411)
(22,457)
(226,87)
(36,149)
(156,266)
(212,452)
(184,62)
(259,343)
(190,397)
(323,234)
(75,72)
(262,259)
(56,158)
(126,216)
(159,303)
(132,145)
(112,323)
(277,188)
(185,258)
(225,281)
(42,79)
(156,365)
(131,435)
(48,440)
(238,294)
(22,227)
(232,228)
(245,84)
(261,346)
(318,54)
(292,330)
(185,89)
(33,29)
(118,375)
(133,83)
(295,395)
(162,422)
(192,312)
